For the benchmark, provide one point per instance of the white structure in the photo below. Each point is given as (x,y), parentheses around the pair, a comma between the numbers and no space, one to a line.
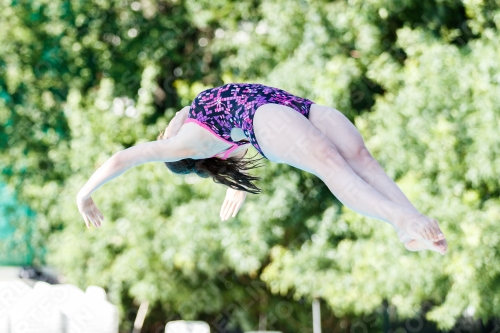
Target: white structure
(316,307)
(49,308)
(91,314)
(181,326)
(11,293)
(38,312)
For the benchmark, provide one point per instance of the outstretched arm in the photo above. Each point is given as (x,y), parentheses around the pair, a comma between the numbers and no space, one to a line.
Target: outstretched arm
(109,170)
(166,150)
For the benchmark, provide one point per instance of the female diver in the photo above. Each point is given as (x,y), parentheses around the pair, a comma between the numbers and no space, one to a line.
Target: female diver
(211,137)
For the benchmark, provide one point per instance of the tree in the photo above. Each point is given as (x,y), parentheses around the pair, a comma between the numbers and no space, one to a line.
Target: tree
(80,81)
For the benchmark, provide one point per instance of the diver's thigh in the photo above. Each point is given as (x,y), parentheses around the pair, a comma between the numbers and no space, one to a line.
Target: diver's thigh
(286,136)
(338,129)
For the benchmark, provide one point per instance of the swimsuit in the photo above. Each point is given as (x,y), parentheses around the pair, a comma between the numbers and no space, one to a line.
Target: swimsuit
(234,105)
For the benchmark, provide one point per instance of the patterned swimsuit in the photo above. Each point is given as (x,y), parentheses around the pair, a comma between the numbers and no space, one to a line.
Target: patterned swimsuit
(233,105)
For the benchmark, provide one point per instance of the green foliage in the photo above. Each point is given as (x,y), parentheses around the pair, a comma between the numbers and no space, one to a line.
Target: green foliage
(80,81)
(15,248)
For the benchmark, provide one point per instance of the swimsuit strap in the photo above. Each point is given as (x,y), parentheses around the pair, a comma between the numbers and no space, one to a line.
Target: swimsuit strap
(227,152)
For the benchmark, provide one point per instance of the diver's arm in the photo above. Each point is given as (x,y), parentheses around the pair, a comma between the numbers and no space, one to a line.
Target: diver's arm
(109,170)
(167,150)
(234,198)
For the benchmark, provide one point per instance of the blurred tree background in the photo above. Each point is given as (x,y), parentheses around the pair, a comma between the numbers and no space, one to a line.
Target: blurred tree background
(81,80)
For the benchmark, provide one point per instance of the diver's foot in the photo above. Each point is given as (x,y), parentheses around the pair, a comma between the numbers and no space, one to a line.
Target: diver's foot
(440,246)
(413,225)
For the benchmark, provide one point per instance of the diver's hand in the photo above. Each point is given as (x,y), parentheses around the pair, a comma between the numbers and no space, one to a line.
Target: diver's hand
(89,211)
(233,202)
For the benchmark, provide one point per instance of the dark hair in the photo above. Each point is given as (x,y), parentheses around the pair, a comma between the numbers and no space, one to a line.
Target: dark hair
(226,172)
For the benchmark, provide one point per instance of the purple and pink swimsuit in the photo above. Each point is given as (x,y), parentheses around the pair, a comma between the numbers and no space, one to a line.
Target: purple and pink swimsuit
(233,105)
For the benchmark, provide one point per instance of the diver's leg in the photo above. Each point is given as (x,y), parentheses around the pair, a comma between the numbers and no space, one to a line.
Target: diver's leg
(350,144)
(285,136)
